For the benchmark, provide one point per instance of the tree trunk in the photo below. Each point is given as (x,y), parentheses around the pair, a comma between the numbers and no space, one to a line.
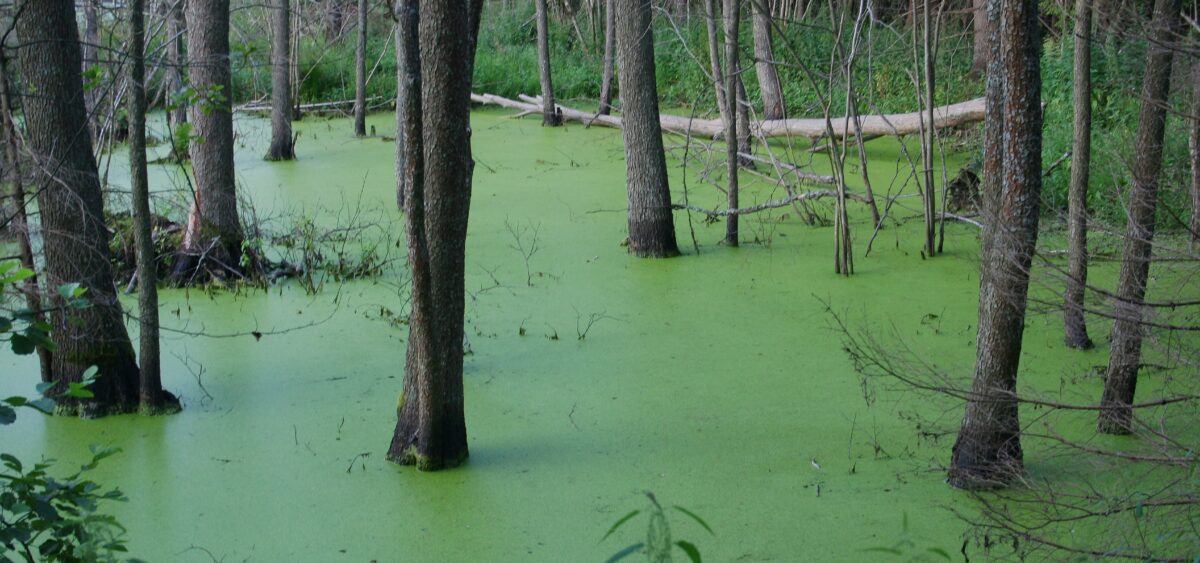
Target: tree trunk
(732,139)
(282,142)
(1120,382)
(408,82)
(987,452)
(979,60)
(712,14)
(610,40)
(360,73)
(550,116)
(176,61)
(1076,335)
(431,428)
(91,59)
(334,13)
(1194,148)
(214,230)
(651,225)
(764,63)
(930,132)
(74,237)
(151,395)
(20,222)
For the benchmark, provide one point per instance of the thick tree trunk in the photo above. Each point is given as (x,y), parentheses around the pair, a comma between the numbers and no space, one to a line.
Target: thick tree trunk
(1076,335)
(651,225)
(610,41)
(979,60)
(550,116)
(360,73)
(764,63)
(988,450)
(176,61)
(282,142)
(20,222)
(74,237)
(1120,381)
(214,229)
(732,77)
(431,428)
(151,395)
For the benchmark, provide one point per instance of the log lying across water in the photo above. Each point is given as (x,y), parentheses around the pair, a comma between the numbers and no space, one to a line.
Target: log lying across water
(896,124)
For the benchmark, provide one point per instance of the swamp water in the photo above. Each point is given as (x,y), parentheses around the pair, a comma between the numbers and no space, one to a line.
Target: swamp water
(713,380)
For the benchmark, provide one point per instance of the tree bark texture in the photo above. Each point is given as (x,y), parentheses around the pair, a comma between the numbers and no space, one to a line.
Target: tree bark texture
(550,116)
(610,44)
(979,59)
(360,73)
(987,452)
(75,241)
(1120,381)
(1194,148)
(431,427)
(651,224)
(214,229)
(176,59)
(732,13)
(91,59)
(1076,335)
(764,63)
(282,143)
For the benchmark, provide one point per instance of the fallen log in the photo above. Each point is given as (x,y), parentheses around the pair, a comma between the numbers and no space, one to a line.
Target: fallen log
(893,125)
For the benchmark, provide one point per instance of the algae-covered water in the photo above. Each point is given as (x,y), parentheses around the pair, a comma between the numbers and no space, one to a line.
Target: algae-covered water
(714,380)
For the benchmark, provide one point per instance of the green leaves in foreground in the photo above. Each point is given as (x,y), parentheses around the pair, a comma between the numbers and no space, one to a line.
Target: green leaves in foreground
(658,544)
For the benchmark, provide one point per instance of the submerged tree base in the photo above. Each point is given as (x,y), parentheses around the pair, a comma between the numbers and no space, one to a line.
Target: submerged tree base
(410,456)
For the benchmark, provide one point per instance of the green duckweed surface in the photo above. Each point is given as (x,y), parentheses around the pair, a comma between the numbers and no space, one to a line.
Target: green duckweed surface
(713,380)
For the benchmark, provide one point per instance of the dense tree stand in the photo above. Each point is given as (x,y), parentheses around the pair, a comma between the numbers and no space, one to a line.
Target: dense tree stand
(75,240)
(431,428)
(987,453)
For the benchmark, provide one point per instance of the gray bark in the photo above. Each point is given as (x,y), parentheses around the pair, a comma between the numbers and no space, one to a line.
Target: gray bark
(214,215)
(1076,335)
(282,143)
(1120,381)
(988,452)
(360,73)
(75,240)
(550,116)
(651,225)
(610,40)
(732,12)
(979,60)
(176,59)
(764,63)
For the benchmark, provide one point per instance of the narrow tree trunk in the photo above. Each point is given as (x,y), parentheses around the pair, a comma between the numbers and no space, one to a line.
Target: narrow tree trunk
(1076,335)
(610,40)
(651,225)
(930,133)
(281,85)
(176,61)
(333,19)
(151,395)
(360,73)
(1120,382)
(74,237)
(987,452)
(431,428)
(214,230)
(764,63)
(91,59)
(712,14)
(732,139)
(550,115)
(20,223)
(1194,148)
(744,138)
(979,60)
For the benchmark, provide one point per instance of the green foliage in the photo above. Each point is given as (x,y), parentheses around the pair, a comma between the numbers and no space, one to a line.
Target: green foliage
(44,518)
(658,545)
